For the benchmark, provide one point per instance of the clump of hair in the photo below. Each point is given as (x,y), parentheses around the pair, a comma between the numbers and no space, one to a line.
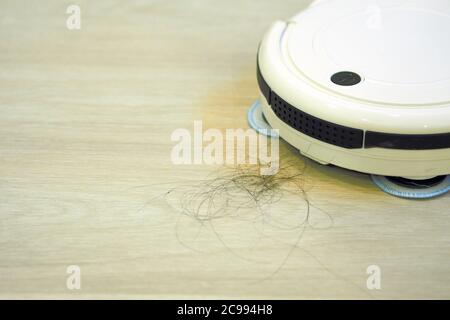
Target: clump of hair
(276,206)
(241,192)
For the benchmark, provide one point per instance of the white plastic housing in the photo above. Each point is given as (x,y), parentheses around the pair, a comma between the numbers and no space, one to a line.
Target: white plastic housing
(400,48)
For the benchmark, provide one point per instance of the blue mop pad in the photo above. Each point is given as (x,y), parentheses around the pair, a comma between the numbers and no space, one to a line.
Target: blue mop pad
(413,189)
(257,121)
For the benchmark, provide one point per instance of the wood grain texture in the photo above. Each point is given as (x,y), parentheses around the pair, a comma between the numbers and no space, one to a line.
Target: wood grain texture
(85,124)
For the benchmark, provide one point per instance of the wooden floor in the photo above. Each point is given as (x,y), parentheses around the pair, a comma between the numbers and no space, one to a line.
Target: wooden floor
(86,176)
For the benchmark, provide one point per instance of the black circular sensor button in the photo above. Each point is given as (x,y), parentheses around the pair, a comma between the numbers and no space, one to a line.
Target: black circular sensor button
(346,78)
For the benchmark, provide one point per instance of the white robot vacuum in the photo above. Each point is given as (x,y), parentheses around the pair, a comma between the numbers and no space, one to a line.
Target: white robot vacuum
(363,85)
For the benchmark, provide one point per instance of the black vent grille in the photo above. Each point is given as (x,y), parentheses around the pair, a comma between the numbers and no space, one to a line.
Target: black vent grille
(314,127)
(309,125)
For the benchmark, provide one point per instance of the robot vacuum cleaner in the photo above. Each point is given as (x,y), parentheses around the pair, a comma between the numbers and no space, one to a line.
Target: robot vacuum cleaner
(363,85)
